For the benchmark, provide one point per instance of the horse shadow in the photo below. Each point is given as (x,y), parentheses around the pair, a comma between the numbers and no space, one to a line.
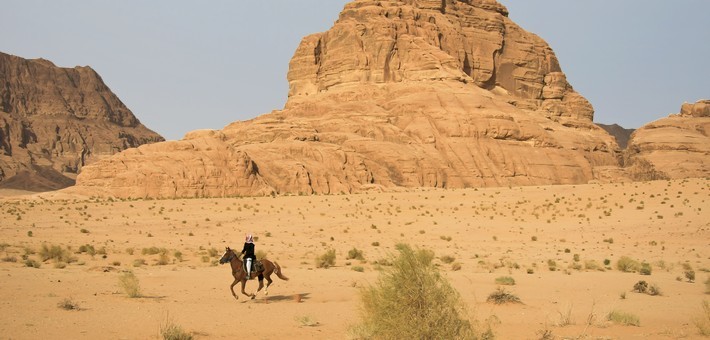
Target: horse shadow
(298,298)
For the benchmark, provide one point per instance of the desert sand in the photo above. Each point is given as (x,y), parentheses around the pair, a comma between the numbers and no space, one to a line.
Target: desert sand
(532,234)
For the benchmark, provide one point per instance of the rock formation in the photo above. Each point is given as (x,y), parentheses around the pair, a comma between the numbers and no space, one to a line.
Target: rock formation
(398,93)
(54,121)
(677,146)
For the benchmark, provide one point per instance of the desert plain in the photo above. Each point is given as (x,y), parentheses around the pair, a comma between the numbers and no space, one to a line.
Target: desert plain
(560,244)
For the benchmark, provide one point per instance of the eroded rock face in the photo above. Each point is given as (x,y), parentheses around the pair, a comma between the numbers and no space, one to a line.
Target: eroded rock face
(677,146)
(56,120)
(445,94)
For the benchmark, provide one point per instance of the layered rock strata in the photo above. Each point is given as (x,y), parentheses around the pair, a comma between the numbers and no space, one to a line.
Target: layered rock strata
(677,146)
(54,121)
(407,93)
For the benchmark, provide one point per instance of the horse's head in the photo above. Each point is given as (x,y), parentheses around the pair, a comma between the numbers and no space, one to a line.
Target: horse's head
(228,256)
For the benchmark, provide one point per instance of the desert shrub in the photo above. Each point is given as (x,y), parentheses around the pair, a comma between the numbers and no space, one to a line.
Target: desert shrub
(702,321)
(654,290)
(32,263)
(623,318)
(641,286)
(690,275)
(326,260)
(592,265)
(87,248)
(130,284)
(178,255)
(260,254)
(645,269)
(355,254)
(501,296)
(456,266)
(627,264)
(154,251)
(172,331)
(551,265)
(505,280)
(447,259)
(358,269)
(412,300)
(138,262)
(163,259)
(9,259)
(68,304)
(212,252)
(56,253)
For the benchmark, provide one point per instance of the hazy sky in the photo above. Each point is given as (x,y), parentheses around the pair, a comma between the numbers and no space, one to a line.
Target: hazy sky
(183,65)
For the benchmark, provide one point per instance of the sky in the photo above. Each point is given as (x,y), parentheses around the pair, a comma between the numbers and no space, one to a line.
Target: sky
(183,65)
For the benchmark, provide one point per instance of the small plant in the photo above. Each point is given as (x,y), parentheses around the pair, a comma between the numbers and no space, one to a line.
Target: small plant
(500,296)
(32,263)
(690,275)
(306,321)
(260,254)
(172,331)
(623,318)
(505,280)
(139,262)
(702,321)
(84,231)
(456,266)
(355,254)
(627,264)
(375,244)
(130,284)
(358,269)
(68,304)
(163,259)
(654,290)
(641,286)
(326,260)
(447,259)
(645,269)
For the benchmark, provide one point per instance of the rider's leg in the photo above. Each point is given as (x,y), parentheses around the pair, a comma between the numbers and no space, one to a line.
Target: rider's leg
(248,262)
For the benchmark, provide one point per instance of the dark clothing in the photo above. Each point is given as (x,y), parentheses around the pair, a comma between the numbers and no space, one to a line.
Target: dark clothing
(248,251)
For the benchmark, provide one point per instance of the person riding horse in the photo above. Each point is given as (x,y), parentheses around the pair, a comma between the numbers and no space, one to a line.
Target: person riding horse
(249,255)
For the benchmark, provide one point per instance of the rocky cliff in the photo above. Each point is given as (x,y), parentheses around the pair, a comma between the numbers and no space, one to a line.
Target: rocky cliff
(408,93)
(677,146)
(54,121)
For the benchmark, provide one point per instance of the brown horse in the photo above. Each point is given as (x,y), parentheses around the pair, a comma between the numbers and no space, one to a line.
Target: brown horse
(240,275)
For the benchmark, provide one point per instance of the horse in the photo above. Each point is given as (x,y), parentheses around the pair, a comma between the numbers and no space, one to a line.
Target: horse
(240,275)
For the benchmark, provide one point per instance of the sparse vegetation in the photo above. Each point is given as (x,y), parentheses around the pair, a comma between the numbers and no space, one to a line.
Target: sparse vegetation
(690,275)
(623,318)
(627,265)
(505,280)
(172,331)
(68,304)
(355,254)
(702,321)
(326,260)
(412,300)
(130,284)
(501,296)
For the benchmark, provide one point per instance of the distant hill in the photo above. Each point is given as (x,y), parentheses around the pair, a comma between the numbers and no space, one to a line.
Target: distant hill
(54,121)
(621,134)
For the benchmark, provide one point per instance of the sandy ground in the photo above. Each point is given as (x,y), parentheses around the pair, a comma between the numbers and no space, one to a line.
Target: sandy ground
(516,232)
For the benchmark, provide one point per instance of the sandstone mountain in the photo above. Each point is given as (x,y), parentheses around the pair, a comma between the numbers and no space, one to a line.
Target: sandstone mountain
(398,93)
(54,121)
(677,146)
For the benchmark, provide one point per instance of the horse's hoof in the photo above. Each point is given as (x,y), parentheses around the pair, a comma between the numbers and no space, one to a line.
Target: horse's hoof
(253,297)
(266,293)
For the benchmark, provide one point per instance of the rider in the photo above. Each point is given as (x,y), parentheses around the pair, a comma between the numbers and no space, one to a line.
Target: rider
(249,255)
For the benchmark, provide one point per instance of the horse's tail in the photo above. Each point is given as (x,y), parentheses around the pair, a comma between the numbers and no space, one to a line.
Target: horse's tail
(277,271)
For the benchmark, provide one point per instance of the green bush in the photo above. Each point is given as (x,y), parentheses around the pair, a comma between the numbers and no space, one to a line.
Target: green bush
(411,300)
(326,260)
(645,269)
(56,253)
(172,331)
(627,265)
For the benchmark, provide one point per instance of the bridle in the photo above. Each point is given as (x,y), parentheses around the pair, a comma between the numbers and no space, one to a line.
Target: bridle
(228,259)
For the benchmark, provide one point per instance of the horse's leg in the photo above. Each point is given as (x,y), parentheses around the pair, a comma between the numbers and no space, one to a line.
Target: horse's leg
(232,288)
(268,283)
(261,283)
(244,283)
